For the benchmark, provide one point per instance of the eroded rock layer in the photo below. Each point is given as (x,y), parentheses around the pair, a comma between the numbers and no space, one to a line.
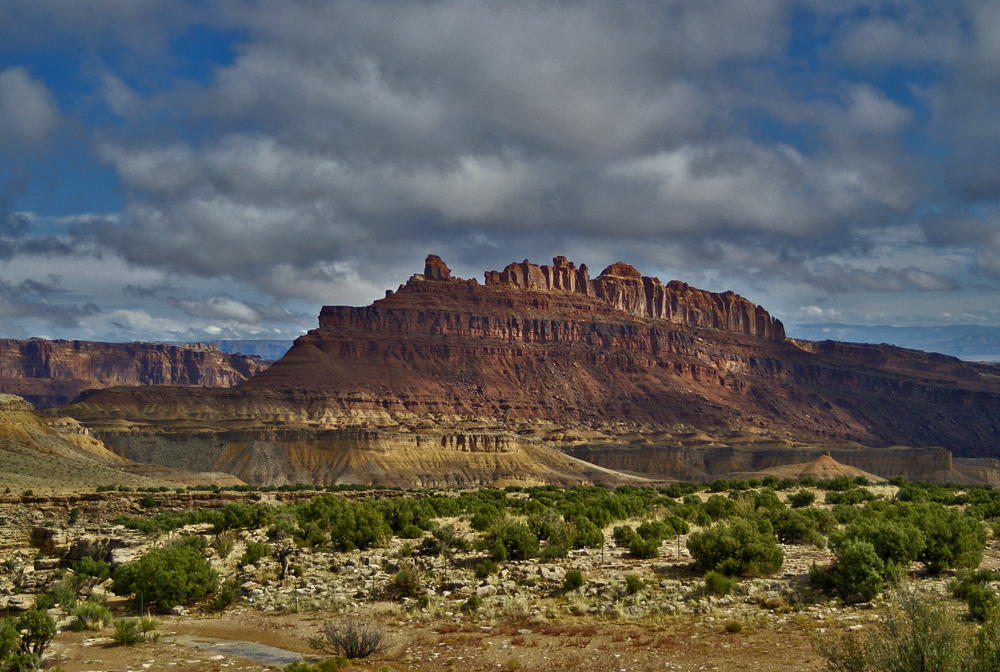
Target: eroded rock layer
(548,354)
(51,373)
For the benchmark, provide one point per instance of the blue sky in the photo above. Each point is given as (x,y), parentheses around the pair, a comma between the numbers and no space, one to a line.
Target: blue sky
(175,170)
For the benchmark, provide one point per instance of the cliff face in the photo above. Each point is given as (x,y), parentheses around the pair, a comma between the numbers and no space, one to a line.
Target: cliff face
(547,353)
(51,373)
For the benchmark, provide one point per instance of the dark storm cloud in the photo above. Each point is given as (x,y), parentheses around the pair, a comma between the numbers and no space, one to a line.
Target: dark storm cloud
(28,299)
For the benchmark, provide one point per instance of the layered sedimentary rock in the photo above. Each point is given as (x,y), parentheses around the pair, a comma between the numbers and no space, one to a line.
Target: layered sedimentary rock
(556,358)
(51,373)
(623,287)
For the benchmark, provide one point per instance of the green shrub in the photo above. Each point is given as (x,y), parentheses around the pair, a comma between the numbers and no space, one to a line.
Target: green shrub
(89,567)
(655,530)
(485,568)
(254,552)
(473,603)
(737,548)
(982,601)
(954,540)
(645,549)
(734,627)
(127,632)
(91,616)
(406,582)
(74,515)
(511,541)
(634,584)
(719,584)
(802,498)
(224,596)
(147,502)
(624,535)
(573,580)
(857,570)
(856,496)
(166,577)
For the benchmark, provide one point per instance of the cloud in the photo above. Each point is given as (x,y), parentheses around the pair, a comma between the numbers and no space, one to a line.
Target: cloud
(16,302)
(28,112)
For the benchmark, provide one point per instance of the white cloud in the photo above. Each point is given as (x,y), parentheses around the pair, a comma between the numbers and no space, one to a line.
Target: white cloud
(28,112)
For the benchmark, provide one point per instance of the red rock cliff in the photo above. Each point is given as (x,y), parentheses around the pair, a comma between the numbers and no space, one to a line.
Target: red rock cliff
(51,373)
(623,287)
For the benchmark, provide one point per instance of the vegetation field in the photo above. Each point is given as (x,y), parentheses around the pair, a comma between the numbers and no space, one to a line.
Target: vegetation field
(687,576)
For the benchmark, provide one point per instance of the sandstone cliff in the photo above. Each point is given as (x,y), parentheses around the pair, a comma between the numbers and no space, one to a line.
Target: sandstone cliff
(548,354)
(51,373)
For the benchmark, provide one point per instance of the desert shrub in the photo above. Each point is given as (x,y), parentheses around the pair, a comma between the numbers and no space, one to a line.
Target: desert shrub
(719,584)
(624,535)
(787,483)
(411,532)
(224,596)
(856,570)
(444,540)
(719,507)
(74,515)
(283,528)
(327,665)
(971,587)
(679,524)
(898,541)
(510,540)
(737,548)
(794,527)
(406,581)
(802,498)
(718,485)
(348,525)
(485,517)
(855,496)
(914,634)
(734,627)
(634,584)
(982,601)
(405,514)
(147,502)
(954,540)
(551,551)
(127,632)
(166,577)
(91,616)
(573,580)
(351,638)
(254,552)
(89,567)
(655,530)
(237,516)
(838,484)
(485,568)
(473,603)
(647,549)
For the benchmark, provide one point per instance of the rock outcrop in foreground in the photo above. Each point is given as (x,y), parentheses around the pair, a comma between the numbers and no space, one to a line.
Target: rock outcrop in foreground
(52,373)
(449,382)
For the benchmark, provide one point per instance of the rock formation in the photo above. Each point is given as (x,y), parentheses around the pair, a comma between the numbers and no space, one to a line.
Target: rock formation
(549,357)
(51,373)
(623,287)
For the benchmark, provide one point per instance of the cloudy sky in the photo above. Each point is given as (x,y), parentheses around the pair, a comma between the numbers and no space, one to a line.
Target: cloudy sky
(189,170)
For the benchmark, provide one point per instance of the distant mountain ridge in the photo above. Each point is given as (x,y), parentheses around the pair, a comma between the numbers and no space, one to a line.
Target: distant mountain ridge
(52,373)
(970,342)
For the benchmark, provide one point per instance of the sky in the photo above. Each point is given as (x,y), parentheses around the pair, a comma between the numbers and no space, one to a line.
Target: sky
(190,170)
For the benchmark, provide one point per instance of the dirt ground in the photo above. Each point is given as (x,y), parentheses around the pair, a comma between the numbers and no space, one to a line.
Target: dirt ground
(580,643)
